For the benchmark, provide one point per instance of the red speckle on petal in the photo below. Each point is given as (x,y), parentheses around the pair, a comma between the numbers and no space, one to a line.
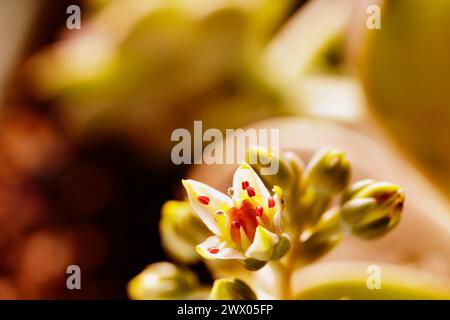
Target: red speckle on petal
(235,224)
(271,202)
(251,192)
(213,250)
(245,185)
(259,211)
(203,200)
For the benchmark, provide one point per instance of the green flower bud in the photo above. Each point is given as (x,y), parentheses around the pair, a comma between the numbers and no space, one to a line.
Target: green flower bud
(231,289)
(296,164)
(275,168)
(372,208)
(181,230)
(162,281)
(317,240)
(355,188)
(328,172)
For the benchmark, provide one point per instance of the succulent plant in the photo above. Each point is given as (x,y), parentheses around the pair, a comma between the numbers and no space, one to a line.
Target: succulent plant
(281,232)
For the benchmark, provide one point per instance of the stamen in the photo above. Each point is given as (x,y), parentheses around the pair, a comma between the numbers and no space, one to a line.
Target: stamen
(271,202)
(203,200)
(230,192)
(245,185)
(259,211)
(235,224)
(251,192)
(213,250)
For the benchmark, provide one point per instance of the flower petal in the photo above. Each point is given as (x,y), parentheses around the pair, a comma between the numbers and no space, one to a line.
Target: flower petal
(243,175)
(263,244)
(275,213)
(206,201)
(214,248)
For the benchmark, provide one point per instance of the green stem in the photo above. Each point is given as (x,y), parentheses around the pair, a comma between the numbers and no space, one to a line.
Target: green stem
(284,271)
(287,268)
(283,279)
(290,267)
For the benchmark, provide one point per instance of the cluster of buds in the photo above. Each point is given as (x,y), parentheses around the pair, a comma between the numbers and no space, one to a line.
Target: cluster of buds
(293,225)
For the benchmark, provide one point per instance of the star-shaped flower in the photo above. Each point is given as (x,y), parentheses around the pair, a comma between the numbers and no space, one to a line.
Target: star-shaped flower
(246,224)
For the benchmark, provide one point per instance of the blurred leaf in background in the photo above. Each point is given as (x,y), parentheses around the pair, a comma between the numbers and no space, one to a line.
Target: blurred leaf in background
(147,67)
(405,70)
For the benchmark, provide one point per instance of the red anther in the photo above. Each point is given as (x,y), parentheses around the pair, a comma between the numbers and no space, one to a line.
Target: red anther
(251,192)
(213,250)
(235,224)
(271,202)
(259,211)
(203,200)
(245,185)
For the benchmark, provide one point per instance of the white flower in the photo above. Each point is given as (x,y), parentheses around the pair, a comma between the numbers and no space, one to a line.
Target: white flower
(245,225)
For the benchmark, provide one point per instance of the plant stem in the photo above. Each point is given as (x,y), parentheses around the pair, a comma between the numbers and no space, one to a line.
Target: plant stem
(296,226)
(285,280)
(284,270)
(290,266)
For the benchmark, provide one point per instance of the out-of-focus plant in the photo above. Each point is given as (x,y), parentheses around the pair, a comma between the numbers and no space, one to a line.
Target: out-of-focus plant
(405,70)
(181,230)
(163,281)
(145,68)
(308,56)
(272,236)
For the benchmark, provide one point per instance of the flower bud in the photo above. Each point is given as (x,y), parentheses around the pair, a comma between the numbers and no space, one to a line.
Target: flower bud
(181,230)
(231,289)
(320,238)
(162,281)
(372,208)
(274,168)
(295,163)
(355,188)
(328,172)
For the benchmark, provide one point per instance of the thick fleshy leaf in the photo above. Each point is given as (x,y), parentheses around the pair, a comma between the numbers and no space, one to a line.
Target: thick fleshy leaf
(245,174)
(363,280)
(214,248)
(263,244)
(213,202)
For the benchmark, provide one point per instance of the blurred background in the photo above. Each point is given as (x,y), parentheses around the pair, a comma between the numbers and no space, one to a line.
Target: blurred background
(86,117)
